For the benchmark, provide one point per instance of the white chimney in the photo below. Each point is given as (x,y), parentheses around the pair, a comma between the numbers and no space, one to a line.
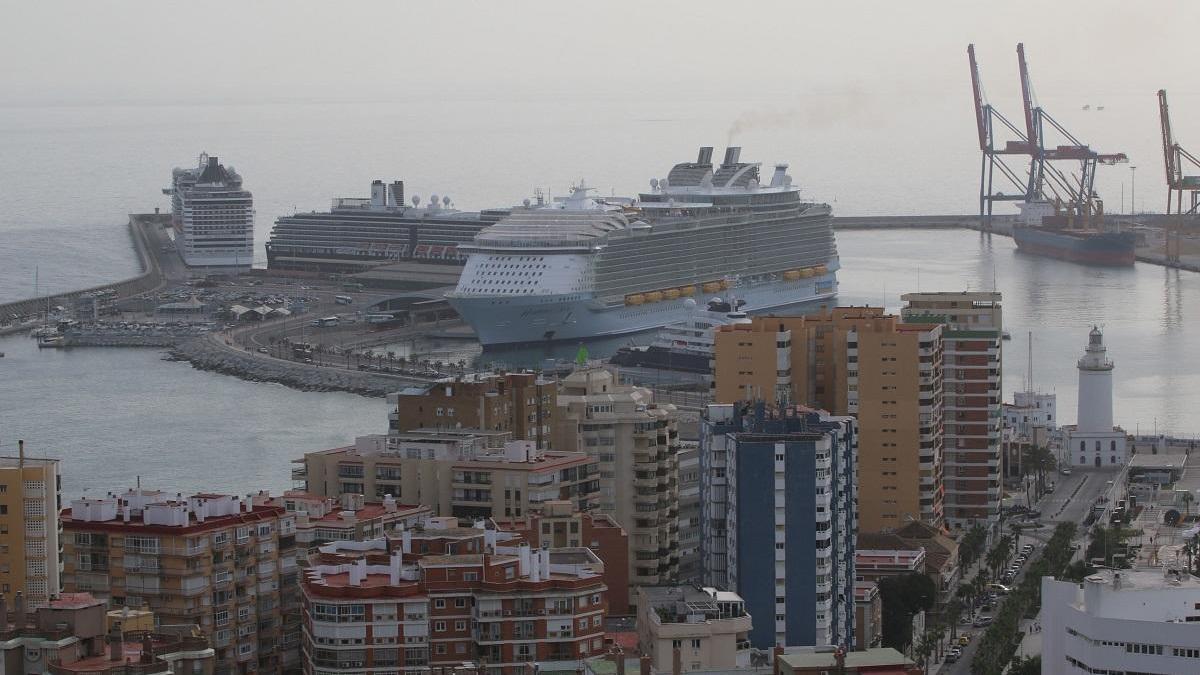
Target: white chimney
(394,569)
(535,567)
(524,557)
(545,563)
(406,541)
(389,503)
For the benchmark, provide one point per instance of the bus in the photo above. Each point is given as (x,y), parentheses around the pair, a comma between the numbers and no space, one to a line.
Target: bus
(353,287)
(343,299)
(327,322)
(380,318)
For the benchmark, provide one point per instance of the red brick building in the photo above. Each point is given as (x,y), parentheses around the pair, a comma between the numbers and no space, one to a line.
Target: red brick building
(366,608)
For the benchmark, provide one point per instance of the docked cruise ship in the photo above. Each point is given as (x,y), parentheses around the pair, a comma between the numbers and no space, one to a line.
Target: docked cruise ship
(359,233)
(584,267)
(213,216)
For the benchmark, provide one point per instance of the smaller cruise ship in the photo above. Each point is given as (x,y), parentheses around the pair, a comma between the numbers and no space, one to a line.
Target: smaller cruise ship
(213,216)
(685,346)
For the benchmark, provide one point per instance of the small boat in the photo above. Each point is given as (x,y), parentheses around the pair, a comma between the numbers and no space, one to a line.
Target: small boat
(49,341)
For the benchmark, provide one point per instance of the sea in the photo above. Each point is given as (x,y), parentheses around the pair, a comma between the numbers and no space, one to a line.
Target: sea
(71,174)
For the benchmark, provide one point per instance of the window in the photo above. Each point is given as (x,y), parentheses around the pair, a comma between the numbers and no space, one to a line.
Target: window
(460,602)
(439,626)
(439,649)
(460,626)
(221,618)
(695,643)
(439,603)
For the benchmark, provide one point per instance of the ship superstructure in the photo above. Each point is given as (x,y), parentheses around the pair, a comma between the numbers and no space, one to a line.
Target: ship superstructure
(584,267)
(359,233)
(213,216)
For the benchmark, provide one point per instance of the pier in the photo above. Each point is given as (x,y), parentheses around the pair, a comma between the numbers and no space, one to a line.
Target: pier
(17,315)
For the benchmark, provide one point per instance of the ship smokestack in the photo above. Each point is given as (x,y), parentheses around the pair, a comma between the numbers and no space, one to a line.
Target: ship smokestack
(397,193)
(732,154)
(705,155)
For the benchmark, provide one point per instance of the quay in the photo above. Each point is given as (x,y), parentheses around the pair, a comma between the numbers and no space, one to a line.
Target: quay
(146,232)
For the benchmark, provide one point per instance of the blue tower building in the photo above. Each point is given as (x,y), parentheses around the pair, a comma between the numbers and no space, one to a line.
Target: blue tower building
(778,497)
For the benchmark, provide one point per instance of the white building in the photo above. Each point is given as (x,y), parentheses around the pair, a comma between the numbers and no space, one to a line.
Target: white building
(1031,410)
(1093,440)
(1127,621)
(213,215)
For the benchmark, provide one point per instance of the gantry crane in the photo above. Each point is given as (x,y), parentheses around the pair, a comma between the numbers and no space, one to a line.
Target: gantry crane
(986,119)
(1046,180)
(1176,158)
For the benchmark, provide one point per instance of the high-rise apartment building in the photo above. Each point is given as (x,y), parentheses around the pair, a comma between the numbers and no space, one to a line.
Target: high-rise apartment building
(778,489)
(637,445)
(226,564)
(459,473)
(853,361)
(520,403)
(972,337)
(367,610)
(29,527)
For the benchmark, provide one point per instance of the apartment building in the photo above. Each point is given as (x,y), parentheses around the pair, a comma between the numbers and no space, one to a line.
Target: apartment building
(636,443)
(224,563)
(868,615)
(972,339)
(349,518)
(708,628)
(690,569)
(522,404)
(781,481)
(559,525)
(29,527)
(853,361)
(462,473)
(366,609)
(68,636)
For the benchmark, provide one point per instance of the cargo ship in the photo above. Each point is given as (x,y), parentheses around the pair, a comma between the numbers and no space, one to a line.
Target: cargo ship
(1043,230)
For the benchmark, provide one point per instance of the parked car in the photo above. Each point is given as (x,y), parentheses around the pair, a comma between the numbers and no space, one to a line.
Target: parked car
(1065,471)
(999,588)
(982,622)
(952,657)
(964,639)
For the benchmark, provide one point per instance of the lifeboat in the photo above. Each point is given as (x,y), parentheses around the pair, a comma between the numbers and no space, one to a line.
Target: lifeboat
(635,299)
(724,284)
(687,291)
(820,269)
(791,275)
(712,287)
(671,293)
(807,272)
(654,296)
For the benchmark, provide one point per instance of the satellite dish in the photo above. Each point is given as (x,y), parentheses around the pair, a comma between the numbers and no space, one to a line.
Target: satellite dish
(653,183)
(663,184)
(433,201)
(446,201)
(416,200)
(526,202)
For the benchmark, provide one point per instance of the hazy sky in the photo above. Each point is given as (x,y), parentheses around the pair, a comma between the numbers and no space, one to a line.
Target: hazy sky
(91,52)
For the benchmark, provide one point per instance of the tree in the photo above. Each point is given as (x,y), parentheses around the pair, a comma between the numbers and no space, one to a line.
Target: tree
(1028,665)
(1038,460)
(954,610)
(1187,498)
(904,596)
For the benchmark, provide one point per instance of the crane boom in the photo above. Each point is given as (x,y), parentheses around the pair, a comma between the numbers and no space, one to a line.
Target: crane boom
(1168,143)
(977,91)
(1031,131)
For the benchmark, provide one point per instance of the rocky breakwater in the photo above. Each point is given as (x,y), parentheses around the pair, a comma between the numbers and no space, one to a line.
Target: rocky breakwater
(207,353)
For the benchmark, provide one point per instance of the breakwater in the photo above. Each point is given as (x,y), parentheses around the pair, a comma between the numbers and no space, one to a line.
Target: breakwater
(15,314)
(206,353)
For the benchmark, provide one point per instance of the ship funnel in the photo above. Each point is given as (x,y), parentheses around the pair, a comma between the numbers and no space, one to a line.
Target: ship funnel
(378,194)
(779,178)
(397,193)
(705,155)
(732,154)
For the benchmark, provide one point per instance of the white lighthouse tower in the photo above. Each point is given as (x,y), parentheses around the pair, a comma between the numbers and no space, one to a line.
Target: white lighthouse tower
(1093,440)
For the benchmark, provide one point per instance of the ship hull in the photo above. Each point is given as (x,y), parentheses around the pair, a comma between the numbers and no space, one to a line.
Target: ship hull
(1100,248)
(578,316)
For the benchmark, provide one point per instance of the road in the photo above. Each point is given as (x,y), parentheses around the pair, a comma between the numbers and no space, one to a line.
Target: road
(1070,502)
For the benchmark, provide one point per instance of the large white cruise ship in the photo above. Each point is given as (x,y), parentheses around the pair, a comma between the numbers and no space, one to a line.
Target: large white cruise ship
(213,216)
(584,267)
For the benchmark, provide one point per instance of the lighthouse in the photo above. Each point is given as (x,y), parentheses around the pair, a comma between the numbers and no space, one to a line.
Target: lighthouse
(1093,440)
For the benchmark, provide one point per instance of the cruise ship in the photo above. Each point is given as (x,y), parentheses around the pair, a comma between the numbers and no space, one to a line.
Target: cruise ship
(584,267)
(357,234)
(212,215)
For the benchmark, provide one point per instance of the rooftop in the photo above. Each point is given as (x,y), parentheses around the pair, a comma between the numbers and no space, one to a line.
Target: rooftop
(692,604)
(13,462)
(810,657)
(1142,580)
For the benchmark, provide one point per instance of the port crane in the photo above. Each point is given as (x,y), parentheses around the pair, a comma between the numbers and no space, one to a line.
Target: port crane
(1046,179)
(1176,159)
(996,165)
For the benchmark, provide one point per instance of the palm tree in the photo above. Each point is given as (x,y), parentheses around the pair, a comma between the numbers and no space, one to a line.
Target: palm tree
(1187,498)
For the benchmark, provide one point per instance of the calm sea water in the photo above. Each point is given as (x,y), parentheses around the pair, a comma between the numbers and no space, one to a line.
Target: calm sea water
(71,174)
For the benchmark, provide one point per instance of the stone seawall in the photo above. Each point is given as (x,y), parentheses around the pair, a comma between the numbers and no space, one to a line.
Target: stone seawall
(205,353)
